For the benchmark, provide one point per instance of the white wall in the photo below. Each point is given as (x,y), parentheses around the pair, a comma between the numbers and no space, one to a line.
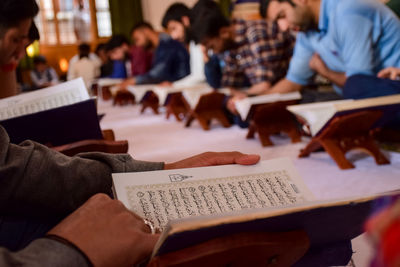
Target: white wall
(153,10)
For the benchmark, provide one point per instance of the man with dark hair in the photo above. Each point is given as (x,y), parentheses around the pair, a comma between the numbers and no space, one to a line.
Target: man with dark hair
(15,27)
(337,39)
(170,58)
(42,75)
(39,187)
(177,23)
(118,66)
(85,67)
(256,53)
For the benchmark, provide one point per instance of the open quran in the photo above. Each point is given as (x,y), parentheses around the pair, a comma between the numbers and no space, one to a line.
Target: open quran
(318,115)
(191,206)
(55,116)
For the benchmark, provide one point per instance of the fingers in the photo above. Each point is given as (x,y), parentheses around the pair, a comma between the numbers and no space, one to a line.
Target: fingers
(225,158)
(384,73)
(394,74)
(389,73)
(248,159)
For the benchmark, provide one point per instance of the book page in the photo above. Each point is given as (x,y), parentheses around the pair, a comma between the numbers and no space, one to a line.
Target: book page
(163,196)
(192,96)
(317,114)
(243,106)
(139,91)
(104,82)
(368,102)
(64,94)
(163,92)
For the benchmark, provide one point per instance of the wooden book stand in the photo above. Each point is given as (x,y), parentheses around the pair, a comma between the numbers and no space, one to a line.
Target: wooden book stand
(123,98)
(210,106)
(105,92)
(347,132)
(150,101)
(272,118)
(107,145)
(176,106)
(244,249)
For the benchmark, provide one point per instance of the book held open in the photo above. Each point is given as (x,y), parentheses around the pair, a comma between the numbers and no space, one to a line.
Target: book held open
(243,106)
(194,205)
(63,94)
(162,196)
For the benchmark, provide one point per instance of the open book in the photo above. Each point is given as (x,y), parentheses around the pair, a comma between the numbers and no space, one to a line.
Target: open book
(244,106)
(139,91)
(195,91)
(57,115)
(318,115)
(64,94)
(195,205)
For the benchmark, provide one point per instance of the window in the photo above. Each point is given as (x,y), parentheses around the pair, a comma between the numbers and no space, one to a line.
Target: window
(103,18)
(67,22)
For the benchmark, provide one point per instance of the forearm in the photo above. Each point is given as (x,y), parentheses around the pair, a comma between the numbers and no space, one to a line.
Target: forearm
(285,86)
(35,180)
(259,88)
(338,78)
(42,253)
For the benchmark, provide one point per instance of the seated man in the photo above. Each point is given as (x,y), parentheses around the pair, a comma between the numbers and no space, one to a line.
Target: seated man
(42,75)
(338,39)
(256,53)
(118,66)
(39,187)
(85,67)
(170,59)
(176,22)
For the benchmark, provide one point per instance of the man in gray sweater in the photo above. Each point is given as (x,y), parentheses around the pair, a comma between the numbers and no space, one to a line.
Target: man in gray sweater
(40,187)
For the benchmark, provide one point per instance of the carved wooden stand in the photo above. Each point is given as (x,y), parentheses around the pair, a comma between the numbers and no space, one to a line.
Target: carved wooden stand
(244,249)
(210,107)
(106,145)
(347,132)
(150,100)
(123,98)
(176,106)
(270,119)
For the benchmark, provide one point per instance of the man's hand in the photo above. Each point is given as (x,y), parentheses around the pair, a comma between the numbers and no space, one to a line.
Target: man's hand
(390,73)
(124,85)
(165,84)
(318,65)
(108,233)
(236,96)
(213,159)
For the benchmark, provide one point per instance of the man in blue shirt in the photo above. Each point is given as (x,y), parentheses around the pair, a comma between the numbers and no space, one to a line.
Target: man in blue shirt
(337,39)
(171,60)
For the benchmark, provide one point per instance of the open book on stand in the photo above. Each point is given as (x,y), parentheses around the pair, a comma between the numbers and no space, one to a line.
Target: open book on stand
(56,115)
(244,106)
(194,205)
(318,115)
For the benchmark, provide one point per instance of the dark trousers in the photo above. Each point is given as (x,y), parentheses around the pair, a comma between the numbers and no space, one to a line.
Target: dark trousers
(366,86)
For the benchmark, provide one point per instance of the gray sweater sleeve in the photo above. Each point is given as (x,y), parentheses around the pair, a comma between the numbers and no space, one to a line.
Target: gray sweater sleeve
(35,180)
(43,253)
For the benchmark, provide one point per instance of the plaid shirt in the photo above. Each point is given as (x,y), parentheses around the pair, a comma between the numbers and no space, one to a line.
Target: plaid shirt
(262,54)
